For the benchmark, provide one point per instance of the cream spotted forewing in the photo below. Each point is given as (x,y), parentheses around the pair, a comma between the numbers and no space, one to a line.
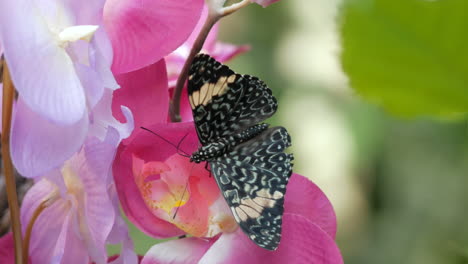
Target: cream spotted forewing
(246,158)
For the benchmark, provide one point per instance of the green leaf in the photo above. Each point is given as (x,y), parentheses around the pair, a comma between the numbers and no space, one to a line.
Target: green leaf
(410,56)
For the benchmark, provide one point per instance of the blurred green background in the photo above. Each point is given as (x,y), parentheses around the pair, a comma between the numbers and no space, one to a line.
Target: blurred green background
(374,93)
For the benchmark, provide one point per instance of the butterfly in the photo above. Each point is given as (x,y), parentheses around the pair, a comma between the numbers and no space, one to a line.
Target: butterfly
(246,158)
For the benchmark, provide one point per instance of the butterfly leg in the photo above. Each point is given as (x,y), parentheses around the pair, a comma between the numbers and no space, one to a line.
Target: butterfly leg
(206,168)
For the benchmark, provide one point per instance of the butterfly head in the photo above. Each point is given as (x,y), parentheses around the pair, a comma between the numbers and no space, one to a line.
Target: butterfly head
(196,157)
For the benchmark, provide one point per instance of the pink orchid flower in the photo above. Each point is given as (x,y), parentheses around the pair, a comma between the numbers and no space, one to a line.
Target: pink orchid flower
(82,213)
(165,195)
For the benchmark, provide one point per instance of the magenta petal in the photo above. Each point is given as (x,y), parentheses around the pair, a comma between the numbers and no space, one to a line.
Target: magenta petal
(54,90)
(149,147)
(7,249)
(143,32)
(145,93)
(38,145)
(264,3)
(179,251)
(302,242)
(305,198)
(133,204)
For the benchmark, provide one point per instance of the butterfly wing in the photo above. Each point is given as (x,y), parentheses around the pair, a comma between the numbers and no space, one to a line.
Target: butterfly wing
(224,102)
(253,178)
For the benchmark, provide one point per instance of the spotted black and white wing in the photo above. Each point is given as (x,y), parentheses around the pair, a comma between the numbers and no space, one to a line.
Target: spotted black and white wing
(253,178)
(224,102)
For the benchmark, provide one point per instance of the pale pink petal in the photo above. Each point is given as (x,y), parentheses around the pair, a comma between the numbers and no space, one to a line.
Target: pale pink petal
(179,251)
(127,255)
(42,247)
(102,119)
(143,32)
(49,236)
(264,3)
(224,51)
(302,242)
(145,93)
(101,56)
(70,248)
(305,198)
(180,170)
(38,145)
(207,184)
(119,234)
(93,168)
(91,83)
(42,71)
(7,249)
(100,154)
(192,217)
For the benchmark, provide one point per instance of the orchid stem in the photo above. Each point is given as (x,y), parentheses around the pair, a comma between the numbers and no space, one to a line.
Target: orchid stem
(7,108)
(234,7)
(174,106)
(213,17)
(27,235)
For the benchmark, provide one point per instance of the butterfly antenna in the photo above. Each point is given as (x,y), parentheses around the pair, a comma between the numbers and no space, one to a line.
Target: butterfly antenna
(183,193)
(172,144)
(181,199)
(178,147)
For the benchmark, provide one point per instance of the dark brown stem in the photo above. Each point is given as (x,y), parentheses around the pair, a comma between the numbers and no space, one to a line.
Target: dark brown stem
(27,235)
(174,106)
(8,95)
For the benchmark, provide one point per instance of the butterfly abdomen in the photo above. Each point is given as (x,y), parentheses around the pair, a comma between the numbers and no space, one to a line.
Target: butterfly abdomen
(213,150)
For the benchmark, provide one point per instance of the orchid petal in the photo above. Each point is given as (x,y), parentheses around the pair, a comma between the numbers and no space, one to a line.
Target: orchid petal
(145,93)
(179,251)
(120,234)
(225,51)
(43,239)
(264,3)
(7,249)
(192,217)
(131,201)
(305,198)
(100,58)
(302,242)
(38,145)
(53,91)
(102,118)
(139,30)
(70,248)
(93,166)
(91,83)
(149,147)
(75,33)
